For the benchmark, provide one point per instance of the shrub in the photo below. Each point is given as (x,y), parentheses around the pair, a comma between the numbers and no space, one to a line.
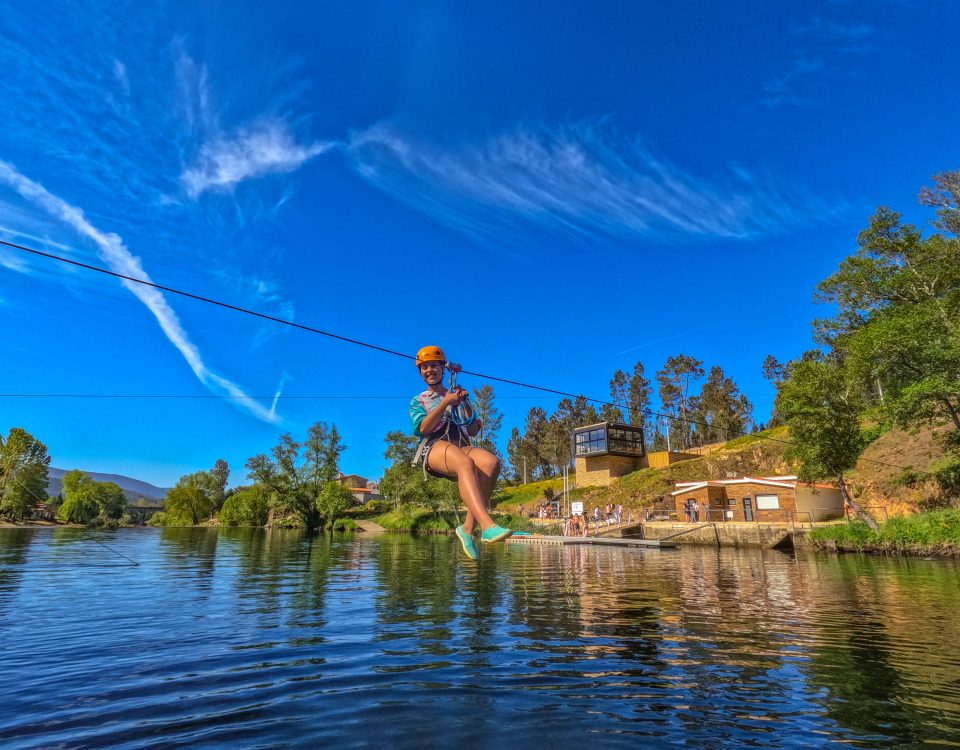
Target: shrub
(376,507)
(345,524)
(413,518)
(245,507)
(855,534)
(935,527)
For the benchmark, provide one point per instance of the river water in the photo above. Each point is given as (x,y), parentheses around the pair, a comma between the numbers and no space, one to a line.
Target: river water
(254,639)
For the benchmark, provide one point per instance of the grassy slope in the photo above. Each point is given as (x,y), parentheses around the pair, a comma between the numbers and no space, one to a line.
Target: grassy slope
(875,484)
(747,455)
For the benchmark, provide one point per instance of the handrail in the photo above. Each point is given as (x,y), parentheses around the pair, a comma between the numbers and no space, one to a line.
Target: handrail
(687,531)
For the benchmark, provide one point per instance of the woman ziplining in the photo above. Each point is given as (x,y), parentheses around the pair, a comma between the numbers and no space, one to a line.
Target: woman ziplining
(444,420)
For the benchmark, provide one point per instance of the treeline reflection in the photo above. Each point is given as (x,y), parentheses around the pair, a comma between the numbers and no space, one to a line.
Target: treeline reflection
(664,643)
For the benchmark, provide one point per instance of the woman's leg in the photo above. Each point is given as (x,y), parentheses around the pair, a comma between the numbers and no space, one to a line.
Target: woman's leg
(451,461)
(488,469)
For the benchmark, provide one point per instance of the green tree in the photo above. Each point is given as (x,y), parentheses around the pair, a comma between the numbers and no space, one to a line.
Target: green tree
(610,413)
(824,411)
(619,391)
(720,412)
(583,413)
(192,500)
(515,456)
(289,499)
(675,382)
(535,437)
(245,507)
(23,473)
(294,480)
(79,498)
(638,395)
(86,500)
(774,371)
(334,498)
(898,312)
(405,484)
(489,416)
(557,441)
(112,503)
(220,473)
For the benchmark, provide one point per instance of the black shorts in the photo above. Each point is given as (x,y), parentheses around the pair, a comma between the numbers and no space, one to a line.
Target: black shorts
(453,435)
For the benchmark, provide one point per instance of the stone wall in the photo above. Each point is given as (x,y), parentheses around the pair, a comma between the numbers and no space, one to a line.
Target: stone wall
(731,534)
(599,471)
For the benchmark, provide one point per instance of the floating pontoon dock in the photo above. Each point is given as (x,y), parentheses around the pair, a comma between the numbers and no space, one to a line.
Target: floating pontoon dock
(597,540)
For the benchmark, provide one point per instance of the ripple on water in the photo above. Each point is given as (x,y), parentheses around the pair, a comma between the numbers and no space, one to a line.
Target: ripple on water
(250,638)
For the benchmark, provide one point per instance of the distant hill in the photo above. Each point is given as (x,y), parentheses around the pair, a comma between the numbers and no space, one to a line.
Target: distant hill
(134,489)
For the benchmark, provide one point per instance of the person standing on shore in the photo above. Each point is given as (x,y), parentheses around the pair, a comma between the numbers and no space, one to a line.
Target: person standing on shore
(445,450)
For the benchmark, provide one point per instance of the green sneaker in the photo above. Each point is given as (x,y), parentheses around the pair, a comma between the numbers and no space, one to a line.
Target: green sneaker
(466,541)
(494,534)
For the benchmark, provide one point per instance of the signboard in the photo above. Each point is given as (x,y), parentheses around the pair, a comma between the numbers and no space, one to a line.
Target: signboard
(768,502)
(576,508)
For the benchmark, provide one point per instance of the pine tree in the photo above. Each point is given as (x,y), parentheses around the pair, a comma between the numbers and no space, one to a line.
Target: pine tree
(489,416)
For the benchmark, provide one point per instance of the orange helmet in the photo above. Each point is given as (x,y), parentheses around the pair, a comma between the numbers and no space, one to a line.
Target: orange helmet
(431,354)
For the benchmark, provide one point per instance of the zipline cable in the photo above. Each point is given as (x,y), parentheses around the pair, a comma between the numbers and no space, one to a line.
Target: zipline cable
(217,396)
(201,298)
(385,350)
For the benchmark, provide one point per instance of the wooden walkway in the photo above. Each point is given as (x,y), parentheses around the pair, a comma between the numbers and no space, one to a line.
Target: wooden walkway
(369,526)
(594,540)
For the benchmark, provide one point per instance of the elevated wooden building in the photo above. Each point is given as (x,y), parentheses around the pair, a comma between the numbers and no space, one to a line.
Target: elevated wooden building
(607,450)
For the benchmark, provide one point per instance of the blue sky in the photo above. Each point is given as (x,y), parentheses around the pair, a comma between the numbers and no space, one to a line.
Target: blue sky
(550,191)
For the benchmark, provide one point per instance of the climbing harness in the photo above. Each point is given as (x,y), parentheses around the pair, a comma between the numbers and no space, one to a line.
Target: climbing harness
(458,412)
(462,415)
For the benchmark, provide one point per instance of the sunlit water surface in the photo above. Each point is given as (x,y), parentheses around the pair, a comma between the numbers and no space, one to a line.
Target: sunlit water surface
(256,639)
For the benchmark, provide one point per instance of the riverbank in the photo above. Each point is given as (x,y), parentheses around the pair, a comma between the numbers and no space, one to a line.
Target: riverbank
(425,521)
(931,534)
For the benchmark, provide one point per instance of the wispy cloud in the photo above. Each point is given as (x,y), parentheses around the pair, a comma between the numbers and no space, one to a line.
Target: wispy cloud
(120,73)
(263,148)
(264,294)
(824,27)
(663,340)
(225,157)
(579,178)
(12,262)
(789,87)
(821,45)
(193,90)
(279,392)
(118,257)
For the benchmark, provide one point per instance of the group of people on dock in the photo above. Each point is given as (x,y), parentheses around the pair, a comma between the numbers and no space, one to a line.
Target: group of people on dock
(692,510)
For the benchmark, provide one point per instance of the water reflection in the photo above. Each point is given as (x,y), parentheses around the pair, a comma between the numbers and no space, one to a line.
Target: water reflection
(885,653)
(14,547)
(299,639)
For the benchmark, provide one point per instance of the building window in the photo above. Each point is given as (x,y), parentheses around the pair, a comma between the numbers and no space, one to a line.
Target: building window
(613,438)
(731,501)
(591,441)
(768,502)
(626,439)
